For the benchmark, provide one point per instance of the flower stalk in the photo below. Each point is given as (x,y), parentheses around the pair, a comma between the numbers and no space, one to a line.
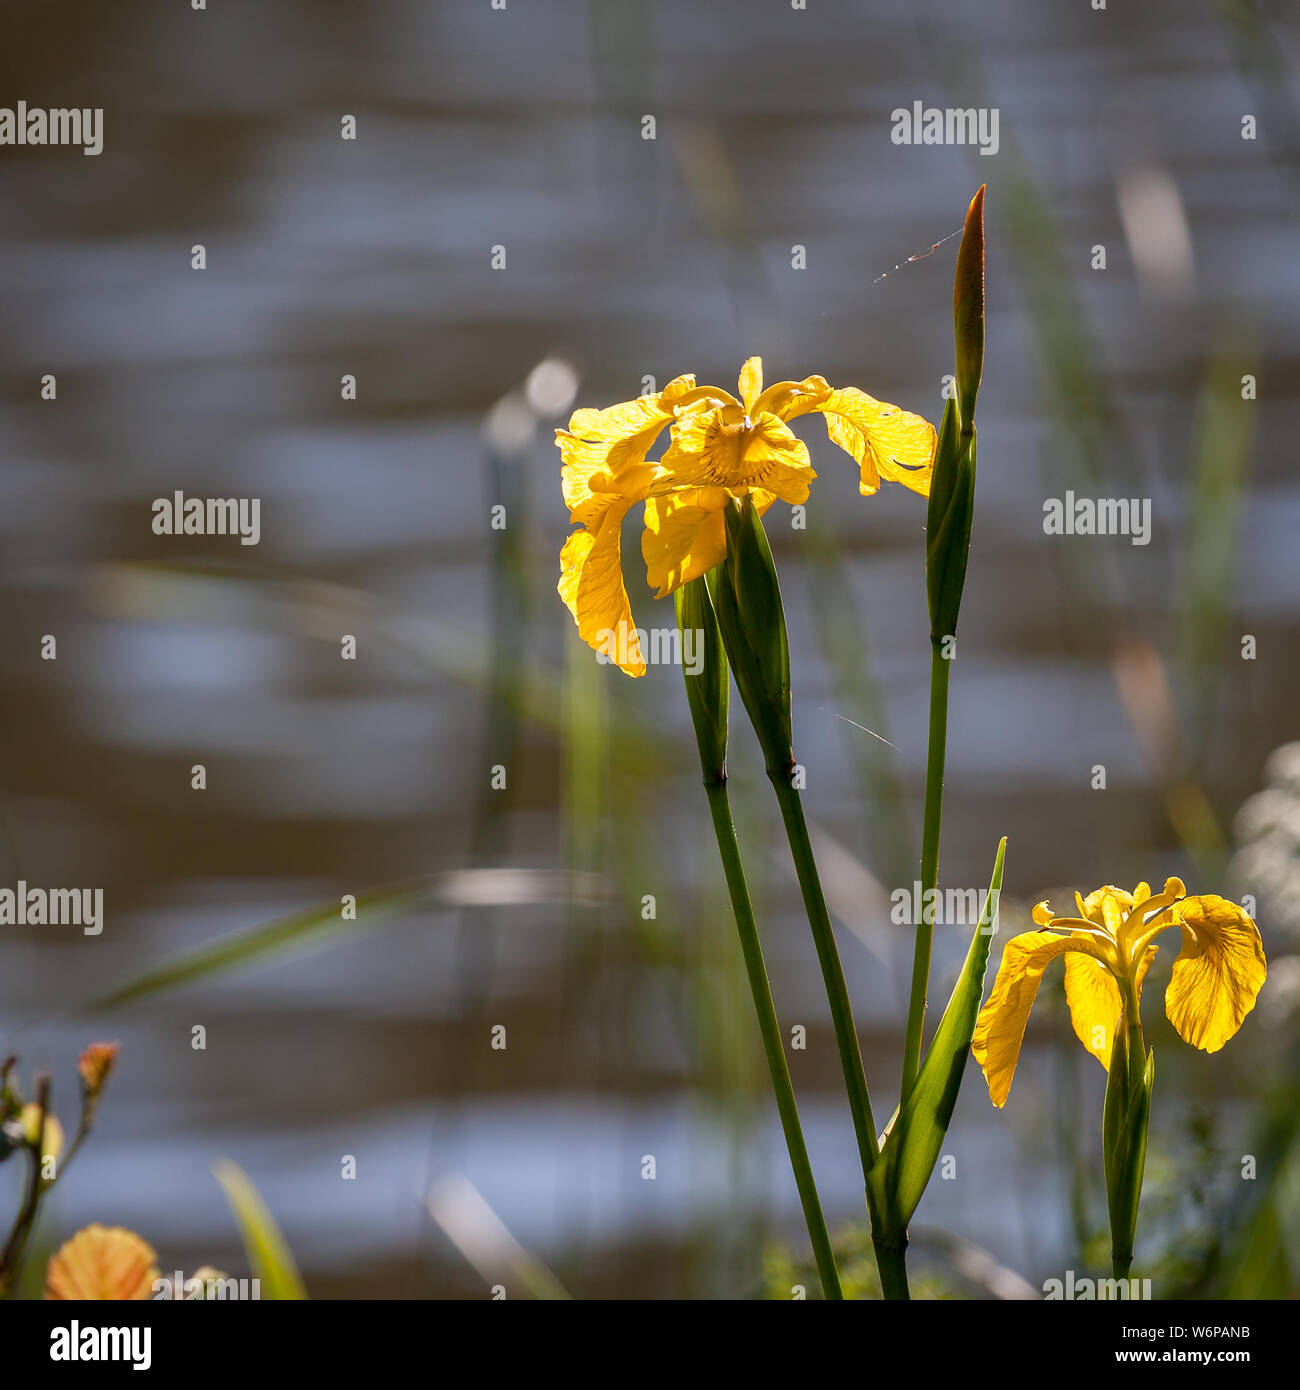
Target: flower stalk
(12,1253)
(932,824)
(948,530)
(42,1142)
(729,459)
(707,695)
(751,620)
(1124,1131)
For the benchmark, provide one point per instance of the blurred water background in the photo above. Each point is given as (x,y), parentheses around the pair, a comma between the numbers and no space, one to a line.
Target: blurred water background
(629,258)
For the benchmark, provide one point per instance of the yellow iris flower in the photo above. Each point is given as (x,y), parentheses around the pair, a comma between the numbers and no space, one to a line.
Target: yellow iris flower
(1108,950)
(721,447)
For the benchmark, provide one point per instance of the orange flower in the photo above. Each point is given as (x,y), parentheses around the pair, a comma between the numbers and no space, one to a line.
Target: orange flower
(102,1263)
(94,1066)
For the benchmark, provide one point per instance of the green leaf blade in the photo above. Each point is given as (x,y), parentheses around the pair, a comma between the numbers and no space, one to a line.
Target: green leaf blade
(244,948)
(917,1131)
(268,1252)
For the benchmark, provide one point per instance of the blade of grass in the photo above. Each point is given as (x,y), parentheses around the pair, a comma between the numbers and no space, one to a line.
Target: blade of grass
(268,1253)
(311,927)
(917,1131)
(315,926)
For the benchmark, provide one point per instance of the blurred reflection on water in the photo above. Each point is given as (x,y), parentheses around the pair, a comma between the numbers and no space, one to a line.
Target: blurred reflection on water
(326,258)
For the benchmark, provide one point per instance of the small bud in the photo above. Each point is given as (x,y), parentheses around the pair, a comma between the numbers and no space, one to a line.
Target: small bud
(207,1276)
(952,488)
(94,1066)
(51,1136)
(968,310)
(12,1136)
(752,622)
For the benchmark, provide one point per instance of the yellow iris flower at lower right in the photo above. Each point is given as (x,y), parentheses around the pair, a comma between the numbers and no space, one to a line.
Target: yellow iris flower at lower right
(1108,950)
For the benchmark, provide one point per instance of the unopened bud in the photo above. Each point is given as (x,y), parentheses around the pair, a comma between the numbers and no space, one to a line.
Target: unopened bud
(706,689)
(968,310)
(752,622)
(94,1066)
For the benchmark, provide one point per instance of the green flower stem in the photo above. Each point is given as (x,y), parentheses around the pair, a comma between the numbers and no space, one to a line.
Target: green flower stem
(1121,1254)
(940,669)
(1137,1052)
(891,1261)
(846,1034)
(12,1254)
(765,1008)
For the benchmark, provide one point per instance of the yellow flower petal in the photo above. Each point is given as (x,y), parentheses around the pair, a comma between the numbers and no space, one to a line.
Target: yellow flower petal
(790,399)
(102,1263)
(1096,1005)
(589,487)
(714,448)
(762,500)
(1000,1028)
(751,382)
(591,584)
(685,536)
(776,460)
(886,442)
(840,431)
(603,451)
(1218,973)
(1107,907)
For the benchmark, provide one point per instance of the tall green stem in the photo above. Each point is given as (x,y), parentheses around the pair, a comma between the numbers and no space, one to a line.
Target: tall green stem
(891,1262)
(1137,1048)
(1128,1178)
(12,1254)
(846,1034)
(940,667)
(765,1008)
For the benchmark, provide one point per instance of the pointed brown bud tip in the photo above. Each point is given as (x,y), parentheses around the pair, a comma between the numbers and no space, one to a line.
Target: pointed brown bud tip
(94,1066)
(968,308)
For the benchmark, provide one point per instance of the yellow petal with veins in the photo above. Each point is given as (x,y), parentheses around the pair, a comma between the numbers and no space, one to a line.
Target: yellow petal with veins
(1218,973)
(776,460)
(685,536)
(790,399)
(840,431)
(591,584)
(603,451)
(885,441)
(1096,1004)
(1000,1028)
(715,448)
